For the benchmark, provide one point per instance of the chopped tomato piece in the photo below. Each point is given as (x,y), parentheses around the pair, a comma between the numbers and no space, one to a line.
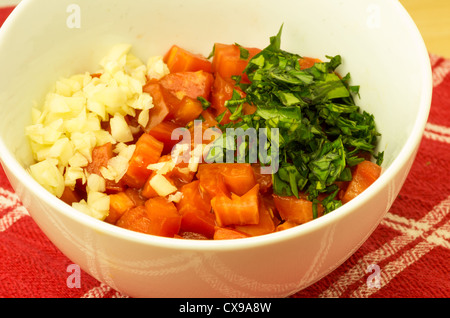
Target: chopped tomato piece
(119,204)
(70,196)
(100,157)
(264,180)
(135,196)
(211,181)
(209,120)
(221,91)
(161,107)
(191,236)
(181,174)
(191,84)
(364,175)
(148,150)
(193,199)
(286,225)
(205,133)
(181,60)
(135,219)
(237,210)
(187,110)
(248,109)
(195,211)
(265,225)
(222,233)
(293,209)
(147,190)
(227,60)
(307,62)
(237,178)
(202,223)
(163,132)
(164,217)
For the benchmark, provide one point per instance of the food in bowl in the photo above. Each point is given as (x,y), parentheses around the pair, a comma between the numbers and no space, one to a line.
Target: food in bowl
(269,140)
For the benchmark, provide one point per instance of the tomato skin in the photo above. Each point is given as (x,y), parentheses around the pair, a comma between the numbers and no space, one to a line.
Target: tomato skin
(148,150)
(191,84)
(364,174)
(227,61)
(164,217)
(181,60)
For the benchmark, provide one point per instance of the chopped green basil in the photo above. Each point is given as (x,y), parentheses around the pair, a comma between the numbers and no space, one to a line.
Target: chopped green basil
(322,132)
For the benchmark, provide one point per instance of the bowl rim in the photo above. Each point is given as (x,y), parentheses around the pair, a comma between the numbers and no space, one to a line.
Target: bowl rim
(406,153)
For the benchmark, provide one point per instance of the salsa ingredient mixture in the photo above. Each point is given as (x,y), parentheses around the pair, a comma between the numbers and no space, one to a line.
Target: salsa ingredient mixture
(108,142)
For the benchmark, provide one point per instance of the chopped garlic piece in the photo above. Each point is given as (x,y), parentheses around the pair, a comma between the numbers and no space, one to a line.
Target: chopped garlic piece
(120,130)
(97,205)
(49,176)
(68,125)
(195,158)
(176,197)
(116,58)
(72,174)
(162,186)
(118,165)
(78,160)
(96,183)
(156,166)
(157,69)
(162,167)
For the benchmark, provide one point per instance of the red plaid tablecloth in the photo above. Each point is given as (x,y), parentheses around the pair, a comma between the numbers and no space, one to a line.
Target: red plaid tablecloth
(409,252)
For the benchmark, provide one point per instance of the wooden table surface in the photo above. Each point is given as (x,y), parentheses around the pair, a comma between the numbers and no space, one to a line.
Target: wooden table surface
(432,17)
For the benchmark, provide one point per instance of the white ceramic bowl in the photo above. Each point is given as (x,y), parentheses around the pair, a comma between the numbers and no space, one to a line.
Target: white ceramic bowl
(380,46)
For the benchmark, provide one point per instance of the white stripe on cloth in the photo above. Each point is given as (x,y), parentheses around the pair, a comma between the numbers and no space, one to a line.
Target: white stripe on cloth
(10,202)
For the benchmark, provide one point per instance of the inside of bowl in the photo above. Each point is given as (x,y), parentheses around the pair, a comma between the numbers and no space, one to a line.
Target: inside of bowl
(379,50)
